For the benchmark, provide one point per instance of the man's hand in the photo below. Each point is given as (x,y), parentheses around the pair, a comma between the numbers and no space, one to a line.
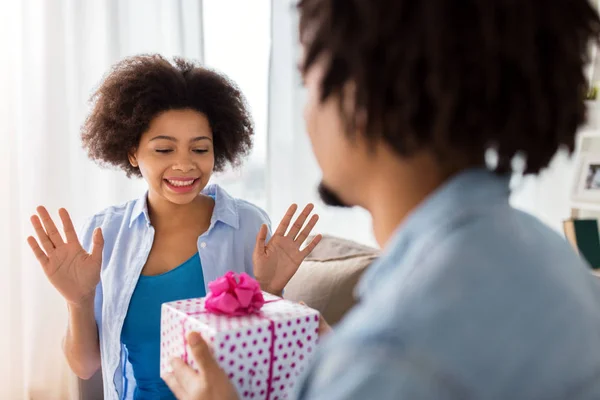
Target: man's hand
(210,383)
(324,327)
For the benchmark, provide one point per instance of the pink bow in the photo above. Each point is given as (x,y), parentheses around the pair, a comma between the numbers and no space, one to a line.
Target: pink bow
(234,295)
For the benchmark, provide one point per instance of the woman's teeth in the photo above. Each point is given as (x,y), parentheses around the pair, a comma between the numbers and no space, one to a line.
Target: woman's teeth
(180,183)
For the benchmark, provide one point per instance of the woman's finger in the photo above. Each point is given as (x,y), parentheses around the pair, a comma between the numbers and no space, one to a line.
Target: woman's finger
(261,239)
(50,227)
(37,251)
(311,246)
(300,221)
(307,229)
(41,234)
(70,233)
(285,222)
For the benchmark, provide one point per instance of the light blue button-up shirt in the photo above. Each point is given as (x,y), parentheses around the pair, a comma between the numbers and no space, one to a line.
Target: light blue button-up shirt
(471,300)
(227,245)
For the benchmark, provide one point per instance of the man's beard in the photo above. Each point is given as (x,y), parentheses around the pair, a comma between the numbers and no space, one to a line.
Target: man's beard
(330,198)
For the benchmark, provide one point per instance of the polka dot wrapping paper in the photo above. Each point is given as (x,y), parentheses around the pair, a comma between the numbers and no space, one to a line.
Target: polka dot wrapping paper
(263,354)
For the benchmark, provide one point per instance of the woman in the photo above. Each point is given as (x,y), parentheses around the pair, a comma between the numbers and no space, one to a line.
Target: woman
(173,125)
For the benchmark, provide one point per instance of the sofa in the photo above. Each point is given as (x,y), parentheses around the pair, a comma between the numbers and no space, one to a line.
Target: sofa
(325,281)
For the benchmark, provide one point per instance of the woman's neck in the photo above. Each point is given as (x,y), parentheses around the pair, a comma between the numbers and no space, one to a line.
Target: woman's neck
(165,214)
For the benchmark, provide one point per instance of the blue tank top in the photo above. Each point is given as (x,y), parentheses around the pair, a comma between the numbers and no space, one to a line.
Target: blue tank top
(141,329)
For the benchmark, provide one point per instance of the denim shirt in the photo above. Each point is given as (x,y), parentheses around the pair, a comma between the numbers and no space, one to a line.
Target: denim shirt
(470,300)
(227,245)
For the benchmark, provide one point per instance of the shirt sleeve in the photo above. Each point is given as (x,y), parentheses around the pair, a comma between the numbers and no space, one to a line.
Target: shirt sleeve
(376,371)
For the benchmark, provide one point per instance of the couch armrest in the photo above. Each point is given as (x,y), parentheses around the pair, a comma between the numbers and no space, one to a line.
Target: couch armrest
(92,388)
(326,279)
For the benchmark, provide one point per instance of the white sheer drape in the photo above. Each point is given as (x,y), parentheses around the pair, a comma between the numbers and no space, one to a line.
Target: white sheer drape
(54,52)
(293,174)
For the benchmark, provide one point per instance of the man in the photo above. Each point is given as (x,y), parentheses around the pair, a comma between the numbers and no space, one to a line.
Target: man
(418,111)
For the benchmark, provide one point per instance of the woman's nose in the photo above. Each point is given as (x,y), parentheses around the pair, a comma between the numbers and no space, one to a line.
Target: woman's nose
(184,165)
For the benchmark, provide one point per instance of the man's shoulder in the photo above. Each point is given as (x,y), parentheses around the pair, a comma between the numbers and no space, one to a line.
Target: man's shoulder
(488,264)
(495,294)
(494,248)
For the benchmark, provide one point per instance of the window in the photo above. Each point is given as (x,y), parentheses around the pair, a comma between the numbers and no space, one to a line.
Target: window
(237,42)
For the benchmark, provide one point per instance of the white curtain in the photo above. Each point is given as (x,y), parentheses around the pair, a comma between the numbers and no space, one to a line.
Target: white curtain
(238,42)
(54,52)
(293,174)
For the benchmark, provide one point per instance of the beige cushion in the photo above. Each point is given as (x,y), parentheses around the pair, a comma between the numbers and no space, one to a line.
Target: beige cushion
(326,279)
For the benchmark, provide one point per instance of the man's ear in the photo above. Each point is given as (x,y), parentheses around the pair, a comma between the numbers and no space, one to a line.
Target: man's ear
(358,116)
(132,159)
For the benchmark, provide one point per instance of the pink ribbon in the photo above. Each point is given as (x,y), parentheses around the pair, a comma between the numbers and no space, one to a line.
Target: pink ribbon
(236,295)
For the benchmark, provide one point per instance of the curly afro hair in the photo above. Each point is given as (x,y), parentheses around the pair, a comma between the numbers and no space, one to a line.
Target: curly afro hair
(458,77)
(139,88)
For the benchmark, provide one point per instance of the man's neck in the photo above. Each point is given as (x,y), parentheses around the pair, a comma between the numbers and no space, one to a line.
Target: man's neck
(398,187)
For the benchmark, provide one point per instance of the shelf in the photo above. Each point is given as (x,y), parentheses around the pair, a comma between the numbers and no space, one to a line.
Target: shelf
(586,206)
(589,132)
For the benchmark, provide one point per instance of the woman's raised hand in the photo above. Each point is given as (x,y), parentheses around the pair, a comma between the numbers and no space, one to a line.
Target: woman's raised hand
(74,272)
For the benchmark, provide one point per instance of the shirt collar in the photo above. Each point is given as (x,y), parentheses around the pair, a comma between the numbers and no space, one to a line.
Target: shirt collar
(225,211)
(465,193)
(140,207)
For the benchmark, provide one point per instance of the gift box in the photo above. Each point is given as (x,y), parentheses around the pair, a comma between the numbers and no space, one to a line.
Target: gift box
(262,342)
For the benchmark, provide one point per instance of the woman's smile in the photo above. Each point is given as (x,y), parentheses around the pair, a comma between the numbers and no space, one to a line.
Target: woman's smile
(181,185)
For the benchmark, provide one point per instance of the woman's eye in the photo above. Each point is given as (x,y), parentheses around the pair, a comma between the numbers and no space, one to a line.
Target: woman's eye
(200,151)
(164,151)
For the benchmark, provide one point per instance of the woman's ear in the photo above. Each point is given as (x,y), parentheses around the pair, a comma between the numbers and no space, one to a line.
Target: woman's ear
(132,159)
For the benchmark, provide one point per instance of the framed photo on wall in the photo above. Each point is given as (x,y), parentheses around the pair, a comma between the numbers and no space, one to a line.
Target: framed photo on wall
(585,191)
(587,180)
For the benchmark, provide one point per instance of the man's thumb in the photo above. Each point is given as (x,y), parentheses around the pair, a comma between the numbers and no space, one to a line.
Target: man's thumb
(201,352)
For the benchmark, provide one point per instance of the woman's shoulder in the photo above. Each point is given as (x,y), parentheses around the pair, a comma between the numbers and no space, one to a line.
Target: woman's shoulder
(247,209)
(114,216)
(244,210)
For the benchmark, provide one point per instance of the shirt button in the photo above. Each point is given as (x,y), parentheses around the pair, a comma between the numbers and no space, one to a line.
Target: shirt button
(203,244)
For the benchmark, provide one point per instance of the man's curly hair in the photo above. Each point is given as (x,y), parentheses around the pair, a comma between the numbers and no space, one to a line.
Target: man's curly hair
(458,77)
(139,88)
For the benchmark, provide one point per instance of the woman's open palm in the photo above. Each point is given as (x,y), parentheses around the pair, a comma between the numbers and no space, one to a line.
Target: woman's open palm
(278,260)
(74,272)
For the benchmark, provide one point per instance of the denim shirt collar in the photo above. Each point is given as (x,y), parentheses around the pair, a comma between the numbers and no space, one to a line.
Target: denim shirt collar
(225,207)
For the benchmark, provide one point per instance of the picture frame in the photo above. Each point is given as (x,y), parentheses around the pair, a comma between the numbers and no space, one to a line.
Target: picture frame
(586,188)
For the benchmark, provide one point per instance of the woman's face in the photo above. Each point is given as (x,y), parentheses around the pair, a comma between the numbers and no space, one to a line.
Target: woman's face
(176,155)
